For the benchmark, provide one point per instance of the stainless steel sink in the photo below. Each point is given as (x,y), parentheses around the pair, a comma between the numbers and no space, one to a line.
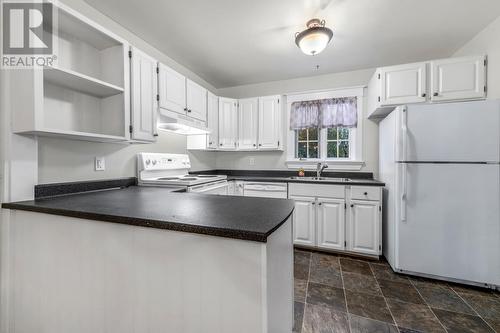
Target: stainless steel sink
(318,179)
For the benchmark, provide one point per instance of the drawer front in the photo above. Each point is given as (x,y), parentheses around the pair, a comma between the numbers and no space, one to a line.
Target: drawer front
(313,190)
(365,193)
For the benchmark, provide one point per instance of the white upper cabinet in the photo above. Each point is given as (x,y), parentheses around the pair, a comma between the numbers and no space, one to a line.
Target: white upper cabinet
(364,227)
(212,120)
(331,234)
(144,90)
(403,84)
(172,86)
(452,79)
(228,123)
(458,79)
(269,123)
(248,122)
(196,100)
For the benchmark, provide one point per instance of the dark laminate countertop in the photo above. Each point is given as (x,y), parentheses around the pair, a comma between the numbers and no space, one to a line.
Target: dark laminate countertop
(332,181)
(245,218)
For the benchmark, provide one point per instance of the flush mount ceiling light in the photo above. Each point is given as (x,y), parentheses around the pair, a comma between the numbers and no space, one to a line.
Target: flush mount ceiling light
(315,38)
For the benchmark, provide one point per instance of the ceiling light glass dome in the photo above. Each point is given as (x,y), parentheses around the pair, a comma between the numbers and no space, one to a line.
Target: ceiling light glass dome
(315,38)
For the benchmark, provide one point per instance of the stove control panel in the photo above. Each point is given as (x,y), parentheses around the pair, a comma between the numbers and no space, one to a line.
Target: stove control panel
(155,161)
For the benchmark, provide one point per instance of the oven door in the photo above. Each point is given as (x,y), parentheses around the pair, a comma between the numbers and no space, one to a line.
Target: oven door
(218,188)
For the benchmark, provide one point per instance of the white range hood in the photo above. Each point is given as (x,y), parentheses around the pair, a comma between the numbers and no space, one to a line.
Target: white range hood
(180,124)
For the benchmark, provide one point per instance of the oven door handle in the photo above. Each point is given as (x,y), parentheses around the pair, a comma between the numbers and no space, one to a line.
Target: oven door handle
(207,187)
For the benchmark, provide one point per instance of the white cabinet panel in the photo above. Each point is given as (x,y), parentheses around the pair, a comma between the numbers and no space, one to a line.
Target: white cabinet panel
(403,84)
(228,123)
(143,96)
(330,219)
(196,100)
(172,86)
(269,122)
(304,221)
(213,120)
(364,227)
(458,78)
(248,120)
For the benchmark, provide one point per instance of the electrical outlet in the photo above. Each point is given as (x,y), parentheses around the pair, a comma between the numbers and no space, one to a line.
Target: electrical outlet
(252,161)
(99,164)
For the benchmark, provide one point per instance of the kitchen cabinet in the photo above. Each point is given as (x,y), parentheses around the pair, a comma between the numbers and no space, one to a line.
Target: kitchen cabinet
(269,134)
(144,89)
(330,222)
(304,221)
(180,95)
(337,217)
(228,123)
(403,84)
(452,79)
(458,79)
(172,90)
(196,101)
(364,227)
(86,96)
(212,120)
(248,122)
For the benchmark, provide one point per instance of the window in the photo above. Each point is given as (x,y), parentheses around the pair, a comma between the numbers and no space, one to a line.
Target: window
(336,142)
(307,143)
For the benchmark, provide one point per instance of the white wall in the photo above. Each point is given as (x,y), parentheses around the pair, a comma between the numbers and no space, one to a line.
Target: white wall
(62,160)
(276,160)
(487,42)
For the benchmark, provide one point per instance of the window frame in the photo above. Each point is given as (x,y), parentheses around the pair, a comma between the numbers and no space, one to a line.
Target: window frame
(355,159)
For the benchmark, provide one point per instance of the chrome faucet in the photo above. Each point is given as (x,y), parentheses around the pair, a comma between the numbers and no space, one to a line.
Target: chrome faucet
(319,169)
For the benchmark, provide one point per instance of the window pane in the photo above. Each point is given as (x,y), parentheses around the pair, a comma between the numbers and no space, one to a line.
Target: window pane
(344,149)
(344,133)
(302,135)
(302,150)
(332,149)
(332,134)
(313,134)
(313,150)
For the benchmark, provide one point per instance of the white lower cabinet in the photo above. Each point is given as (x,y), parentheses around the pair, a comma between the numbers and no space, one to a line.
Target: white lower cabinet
(330,222)
(304,221)
(337,217)
(364,227)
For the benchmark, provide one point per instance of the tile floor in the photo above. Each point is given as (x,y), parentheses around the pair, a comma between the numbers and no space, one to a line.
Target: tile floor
(338,294)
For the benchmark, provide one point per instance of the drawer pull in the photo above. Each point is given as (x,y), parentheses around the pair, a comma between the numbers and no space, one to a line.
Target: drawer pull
(366,193)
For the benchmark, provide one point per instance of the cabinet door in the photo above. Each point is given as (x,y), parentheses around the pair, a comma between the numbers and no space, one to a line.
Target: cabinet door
(196,100)
(228,123)
(212,120)
(304,221)
(364,227)
(144,86)
(458,79)
(331,222)
(269,122)
(172,87)
(248,120)
(403,84)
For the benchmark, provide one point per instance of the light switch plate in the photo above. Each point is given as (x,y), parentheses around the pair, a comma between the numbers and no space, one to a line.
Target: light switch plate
(100,164)
(252,160)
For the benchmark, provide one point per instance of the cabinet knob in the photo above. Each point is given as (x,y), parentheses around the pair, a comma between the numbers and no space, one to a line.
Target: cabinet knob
(424,94)
(319,203)
(189,110)
(436,94)
(185,109)
(221,144)
(352,205)
(366,193)
(254,145)
(260,144)
(156,134)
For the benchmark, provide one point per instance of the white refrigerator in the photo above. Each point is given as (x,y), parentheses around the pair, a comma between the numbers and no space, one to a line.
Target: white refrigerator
(441,166)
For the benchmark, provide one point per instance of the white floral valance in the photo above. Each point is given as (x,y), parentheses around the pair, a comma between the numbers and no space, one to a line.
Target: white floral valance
(324,113)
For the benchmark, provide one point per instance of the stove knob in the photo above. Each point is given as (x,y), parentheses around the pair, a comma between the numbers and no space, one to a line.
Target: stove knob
(154,162)
(148,162)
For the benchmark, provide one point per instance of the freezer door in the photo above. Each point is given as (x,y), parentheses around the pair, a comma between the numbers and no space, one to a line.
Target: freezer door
(460,132)
(452,221)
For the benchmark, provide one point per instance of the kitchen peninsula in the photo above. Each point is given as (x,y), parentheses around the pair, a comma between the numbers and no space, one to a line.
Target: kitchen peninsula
(147,259)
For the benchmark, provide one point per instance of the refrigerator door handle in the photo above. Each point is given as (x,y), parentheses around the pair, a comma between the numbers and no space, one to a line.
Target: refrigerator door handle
(404,171)
(404,134)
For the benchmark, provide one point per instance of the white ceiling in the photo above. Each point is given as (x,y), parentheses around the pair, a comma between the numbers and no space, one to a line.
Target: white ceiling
(235,42)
